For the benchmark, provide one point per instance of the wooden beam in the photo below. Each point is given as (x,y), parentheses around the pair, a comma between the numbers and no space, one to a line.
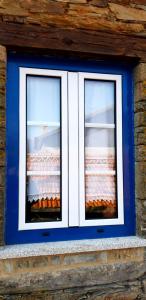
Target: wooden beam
(76,40)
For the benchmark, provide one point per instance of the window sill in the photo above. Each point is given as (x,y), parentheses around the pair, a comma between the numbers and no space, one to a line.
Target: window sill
(70,247)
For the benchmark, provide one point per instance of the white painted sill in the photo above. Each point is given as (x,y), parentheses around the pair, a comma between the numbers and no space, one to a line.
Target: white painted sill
(70,247)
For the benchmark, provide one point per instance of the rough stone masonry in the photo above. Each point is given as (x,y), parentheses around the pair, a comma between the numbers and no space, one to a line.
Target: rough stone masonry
(113,28)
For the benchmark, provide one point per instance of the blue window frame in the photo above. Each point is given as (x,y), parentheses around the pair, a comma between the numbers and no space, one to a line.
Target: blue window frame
(13,234)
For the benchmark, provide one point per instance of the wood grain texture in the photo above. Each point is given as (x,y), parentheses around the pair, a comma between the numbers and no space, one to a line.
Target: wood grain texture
(18,35)
(109,27)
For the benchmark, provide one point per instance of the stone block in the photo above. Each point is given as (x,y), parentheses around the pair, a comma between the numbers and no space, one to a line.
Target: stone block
(125,255)
(48,7)
(140,106)
(140,119)
(144,285)
(2,118)
(2,192)
(2,74)
(99,3)
(7,8)
(140,91)
(141,217)
(2,89)
(56,259)
(2,99)
(82,258)
(1,233)
(123,291)
(124,13)
(143,232)
(140,153)
(140,136)
(87,10)
(2,158)
(30,263)
(2,177)
(13,19)
(73,277)
(3,54)
(1,220)
(123,2)
(6,267)
(140,180)
(140,73)
(141,2)
(2,138)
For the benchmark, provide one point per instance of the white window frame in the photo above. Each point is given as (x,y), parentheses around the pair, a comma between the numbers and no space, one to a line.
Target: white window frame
(119,158)
(73,149)
(23,72)
(72,128)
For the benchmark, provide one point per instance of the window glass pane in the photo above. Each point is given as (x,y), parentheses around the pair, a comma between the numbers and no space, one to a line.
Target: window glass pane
(100,197)
(42,140)
(99,137)
(43,201)
(99,101)
(100,159)
(43,99)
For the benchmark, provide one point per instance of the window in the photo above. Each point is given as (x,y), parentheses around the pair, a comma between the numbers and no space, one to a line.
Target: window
(43,171)
(69,151)
(100,148)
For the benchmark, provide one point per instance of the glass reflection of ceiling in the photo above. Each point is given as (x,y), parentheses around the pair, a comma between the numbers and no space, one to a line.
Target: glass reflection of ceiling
(99,101)
(43,99)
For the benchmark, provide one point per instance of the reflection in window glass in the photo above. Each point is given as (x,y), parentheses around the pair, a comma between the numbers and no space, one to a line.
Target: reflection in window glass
(100,196)
(43,99)
(100,169)
(42,137)
(99,137)
(99,101)
(43,198)
(43,150)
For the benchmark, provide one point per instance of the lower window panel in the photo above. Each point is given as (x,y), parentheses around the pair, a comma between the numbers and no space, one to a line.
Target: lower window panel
(100,197)
(43,199)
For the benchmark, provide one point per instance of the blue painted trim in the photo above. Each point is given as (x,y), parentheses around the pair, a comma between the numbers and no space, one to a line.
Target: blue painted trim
(12,235)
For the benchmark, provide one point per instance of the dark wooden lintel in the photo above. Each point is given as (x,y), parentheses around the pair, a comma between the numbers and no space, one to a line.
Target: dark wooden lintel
(74,40)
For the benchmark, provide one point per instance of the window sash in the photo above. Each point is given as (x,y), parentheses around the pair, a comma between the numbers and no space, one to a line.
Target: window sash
(73,200)
(22,148)
(119,159)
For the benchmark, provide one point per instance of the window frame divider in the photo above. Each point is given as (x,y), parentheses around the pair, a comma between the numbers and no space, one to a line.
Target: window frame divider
(73,139)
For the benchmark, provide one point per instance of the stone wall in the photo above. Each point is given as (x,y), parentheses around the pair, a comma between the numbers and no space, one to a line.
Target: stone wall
(103,275)
(114,28)
(127,16)
(140,147)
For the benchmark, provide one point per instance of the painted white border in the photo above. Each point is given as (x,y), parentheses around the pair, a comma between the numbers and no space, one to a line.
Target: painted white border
(73,149)
(119,158)
(23,72)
